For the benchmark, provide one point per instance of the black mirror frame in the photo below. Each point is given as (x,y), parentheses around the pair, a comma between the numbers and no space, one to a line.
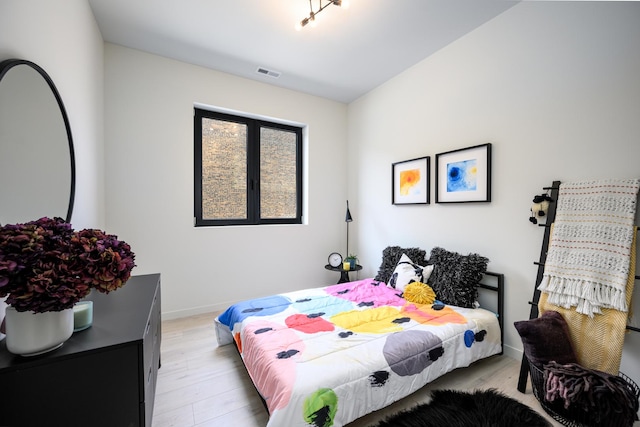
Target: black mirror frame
(8,64)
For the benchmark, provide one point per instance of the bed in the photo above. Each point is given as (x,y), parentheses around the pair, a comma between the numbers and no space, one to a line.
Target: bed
(328,355)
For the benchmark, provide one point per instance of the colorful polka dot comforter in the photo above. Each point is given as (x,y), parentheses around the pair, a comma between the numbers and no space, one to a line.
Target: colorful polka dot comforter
(326,356)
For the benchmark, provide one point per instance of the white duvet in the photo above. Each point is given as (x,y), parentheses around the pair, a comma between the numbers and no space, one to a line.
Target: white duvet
(326,356)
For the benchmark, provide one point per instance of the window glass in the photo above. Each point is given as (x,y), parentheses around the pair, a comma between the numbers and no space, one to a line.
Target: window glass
(278,185)
(224,169)
(246,171)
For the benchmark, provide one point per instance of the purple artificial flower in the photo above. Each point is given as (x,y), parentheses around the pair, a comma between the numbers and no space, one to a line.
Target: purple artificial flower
(46,266)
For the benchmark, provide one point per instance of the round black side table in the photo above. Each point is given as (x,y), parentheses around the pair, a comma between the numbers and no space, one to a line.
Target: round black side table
(344,274)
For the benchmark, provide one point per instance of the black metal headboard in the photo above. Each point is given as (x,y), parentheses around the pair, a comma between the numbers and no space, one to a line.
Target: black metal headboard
(498,287)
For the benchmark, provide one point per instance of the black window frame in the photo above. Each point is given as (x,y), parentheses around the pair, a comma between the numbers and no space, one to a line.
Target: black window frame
(253,169)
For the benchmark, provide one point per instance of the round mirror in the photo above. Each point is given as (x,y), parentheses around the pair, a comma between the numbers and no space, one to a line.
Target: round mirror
(37,164)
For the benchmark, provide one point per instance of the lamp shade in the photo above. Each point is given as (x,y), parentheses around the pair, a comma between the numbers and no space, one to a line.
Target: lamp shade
(348,217)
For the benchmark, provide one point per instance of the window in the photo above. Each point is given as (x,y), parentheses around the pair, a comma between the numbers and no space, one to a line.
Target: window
(247,171)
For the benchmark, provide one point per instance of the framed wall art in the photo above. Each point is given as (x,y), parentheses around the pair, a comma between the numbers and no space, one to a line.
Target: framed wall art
(410,181)
(464,175)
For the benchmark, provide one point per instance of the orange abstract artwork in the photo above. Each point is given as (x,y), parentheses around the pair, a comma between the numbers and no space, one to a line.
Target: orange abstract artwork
(408,179)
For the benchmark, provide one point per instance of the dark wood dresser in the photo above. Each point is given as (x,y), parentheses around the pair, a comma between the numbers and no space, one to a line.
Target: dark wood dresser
(102,376)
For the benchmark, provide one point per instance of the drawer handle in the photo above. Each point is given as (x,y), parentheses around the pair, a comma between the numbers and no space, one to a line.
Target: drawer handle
(146,331)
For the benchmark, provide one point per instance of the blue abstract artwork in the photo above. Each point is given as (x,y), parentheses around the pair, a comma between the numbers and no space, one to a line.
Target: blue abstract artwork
(462,176)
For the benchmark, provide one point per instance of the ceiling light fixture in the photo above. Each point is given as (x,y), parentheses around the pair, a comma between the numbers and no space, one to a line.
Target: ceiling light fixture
(311,19)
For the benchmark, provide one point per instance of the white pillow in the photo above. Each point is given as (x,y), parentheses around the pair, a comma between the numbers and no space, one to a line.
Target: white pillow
(406,272)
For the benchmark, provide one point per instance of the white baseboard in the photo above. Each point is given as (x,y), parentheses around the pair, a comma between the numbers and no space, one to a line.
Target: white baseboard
(178,314)
(512,352)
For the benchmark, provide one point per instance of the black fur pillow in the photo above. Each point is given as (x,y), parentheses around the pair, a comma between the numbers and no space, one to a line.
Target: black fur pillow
(455,278)
(390,257)
(546,338)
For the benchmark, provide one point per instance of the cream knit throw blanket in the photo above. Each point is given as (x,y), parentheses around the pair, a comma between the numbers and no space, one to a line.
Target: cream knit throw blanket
(587,264)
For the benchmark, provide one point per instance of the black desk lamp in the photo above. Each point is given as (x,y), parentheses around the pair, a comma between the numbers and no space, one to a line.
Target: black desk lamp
(347,219)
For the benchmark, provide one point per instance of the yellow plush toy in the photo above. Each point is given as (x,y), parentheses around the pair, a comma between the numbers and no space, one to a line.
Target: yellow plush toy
(420,293)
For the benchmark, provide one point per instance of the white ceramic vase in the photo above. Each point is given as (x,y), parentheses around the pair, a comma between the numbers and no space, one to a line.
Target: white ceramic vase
(30,334)
(3,309)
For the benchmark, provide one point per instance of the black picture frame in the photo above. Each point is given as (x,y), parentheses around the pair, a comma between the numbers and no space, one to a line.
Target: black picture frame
(464,175)
(410,181)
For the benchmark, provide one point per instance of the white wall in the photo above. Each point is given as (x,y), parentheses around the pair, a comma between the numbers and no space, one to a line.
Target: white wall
(149,173)
(63,38)
(553,86)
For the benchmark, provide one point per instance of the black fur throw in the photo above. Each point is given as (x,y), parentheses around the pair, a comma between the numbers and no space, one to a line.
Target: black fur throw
(481,408)
(455,278)
(390,257)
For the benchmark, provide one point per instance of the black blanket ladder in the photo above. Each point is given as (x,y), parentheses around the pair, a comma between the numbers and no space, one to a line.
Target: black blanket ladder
(551,215)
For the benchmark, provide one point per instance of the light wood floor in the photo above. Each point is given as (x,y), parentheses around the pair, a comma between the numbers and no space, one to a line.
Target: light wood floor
(201,384)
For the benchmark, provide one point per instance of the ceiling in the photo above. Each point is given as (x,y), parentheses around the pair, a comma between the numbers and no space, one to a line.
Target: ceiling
(349,52)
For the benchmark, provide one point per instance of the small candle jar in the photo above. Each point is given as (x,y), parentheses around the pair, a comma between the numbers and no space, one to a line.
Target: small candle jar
(82,315)
(346,265)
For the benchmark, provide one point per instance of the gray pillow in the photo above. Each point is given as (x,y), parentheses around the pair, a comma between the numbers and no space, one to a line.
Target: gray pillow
(455,277)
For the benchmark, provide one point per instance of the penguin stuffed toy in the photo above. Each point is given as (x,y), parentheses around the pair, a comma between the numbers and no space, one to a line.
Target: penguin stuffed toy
(540,207)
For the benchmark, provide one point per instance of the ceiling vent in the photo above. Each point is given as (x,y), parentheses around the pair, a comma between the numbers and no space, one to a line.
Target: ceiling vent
(270,73)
